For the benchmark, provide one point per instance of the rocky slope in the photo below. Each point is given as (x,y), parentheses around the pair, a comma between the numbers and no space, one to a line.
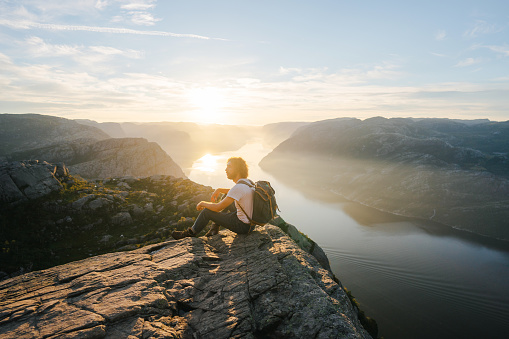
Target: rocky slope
(26,131)
(66,218)
(273,283)
(446,171)
(226,286)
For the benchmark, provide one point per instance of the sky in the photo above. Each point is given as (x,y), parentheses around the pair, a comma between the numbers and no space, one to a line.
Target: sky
(254,62)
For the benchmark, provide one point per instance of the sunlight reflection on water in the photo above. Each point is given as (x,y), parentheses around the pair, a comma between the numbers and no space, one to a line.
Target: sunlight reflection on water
(207,163)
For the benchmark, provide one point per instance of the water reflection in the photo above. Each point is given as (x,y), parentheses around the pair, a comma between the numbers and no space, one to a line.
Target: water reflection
(207,163)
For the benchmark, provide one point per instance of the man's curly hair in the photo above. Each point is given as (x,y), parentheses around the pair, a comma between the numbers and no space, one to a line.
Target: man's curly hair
(240,166)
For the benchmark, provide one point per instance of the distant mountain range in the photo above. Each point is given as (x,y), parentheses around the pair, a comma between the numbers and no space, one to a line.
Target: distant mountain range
(449,171)
(185,142)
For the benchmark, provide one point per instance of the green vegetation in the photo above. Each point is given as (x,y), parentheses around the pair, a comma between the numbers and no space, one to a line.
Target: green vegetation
(91,218)
(368,323)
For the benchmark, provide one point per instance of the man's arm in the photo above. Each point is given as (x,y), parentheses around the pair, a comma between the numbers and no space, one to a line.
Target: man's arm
(217,192)
(213,206)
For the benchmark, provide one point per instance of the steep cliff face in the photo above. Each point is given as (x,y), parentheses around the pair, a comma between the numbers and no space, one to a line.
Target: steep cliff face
(225,286)
(446,171)
(107,158)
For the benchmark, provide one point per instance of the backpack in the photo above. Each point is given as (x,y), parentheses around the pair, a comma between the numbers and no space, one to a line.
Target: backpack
(264,202)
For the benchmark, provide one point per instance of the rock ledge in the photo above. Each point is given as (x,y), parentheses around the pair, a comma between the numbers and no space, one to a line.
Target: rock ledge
(225,286)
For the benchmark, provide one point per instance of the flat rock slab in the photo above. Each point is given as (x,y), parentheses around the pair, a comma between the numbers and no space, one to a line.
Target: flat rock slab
(260,285)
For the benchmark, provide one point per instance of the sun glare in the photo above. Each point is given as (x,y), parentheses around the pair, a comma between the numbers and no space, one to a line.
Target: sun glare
(207,104)
(207,163)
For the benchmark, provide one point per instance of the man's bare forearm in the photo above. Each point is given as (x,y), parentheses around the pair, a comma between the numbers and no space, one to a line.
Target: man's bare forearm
(218,191)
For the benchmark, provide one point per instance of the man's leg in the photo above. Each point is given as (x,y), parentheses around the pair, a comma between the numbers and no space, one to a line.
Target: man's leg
(227,220)
(201,222)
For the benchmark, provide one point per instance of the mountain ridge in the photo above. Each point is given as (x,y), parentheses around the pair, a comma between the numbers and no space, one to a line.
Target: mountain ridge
(403,167)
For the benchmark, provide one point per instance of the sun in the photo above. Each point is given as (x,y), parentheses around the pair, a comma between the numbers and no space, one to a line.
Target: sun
(207,104)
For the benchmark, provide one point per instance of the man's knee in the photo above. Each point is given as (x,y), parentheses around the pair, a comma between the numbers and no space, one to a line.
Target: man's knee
(206,213)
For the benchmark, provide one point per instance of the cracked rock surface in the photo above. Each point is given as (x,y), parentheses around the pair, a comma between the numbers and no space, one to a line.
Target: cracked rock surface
(260,285)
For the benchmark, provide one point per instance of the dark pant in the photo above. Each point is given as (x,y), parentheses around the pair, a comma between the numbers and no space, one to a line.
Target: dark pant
(227,218)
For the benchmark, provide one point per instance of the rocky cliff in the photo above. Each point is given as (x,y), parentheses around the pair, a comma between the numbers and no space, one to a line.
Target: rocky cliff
(25,180)
(86,150)
(50,217)
(447,171)
(107,158)
(225,286)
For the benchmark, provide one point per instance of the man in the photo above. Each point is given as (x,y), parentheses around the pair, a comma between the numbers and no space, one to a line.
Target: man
(241,194)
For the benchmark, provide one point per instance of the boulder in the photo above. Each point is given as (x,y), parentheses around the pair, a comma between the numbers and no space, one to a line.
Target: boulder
(122,218)
(260,285)
(26,180)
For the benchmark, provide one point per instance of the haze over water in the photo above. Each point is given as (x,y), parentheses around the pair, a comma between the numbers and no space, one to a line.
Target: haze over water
(416,278)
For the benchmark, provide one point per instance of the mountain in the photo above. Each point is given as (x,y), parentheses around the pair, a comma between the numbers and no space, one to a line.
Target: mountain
(447,171)
(107,158)
(26,131)
(274,134)
(86,150)
(183,141)
(186,142)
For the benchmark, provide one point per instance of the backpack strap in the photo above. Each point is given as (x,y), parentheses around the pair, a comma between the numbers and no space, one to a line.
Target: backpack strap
(246,182)
(252,223)
(249,183)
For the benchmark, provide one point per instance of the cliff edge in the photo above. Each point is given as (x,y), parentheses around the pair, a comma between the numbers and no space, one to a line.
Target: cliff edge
(225,286)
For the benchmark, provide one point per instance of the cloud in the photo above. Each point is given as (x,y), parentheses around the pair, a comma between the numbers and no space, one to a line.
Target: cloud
(37,47)
(384,71)
(139,96)
(92,58)
(504,50)
(136,12)
(142,18)
(25,24)
(139,5)
(481,27)
(440,35)
(468,62)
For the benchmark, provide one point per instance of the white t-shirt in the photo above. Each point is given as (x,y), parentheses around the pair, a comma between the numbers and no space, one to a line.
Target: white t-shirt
(242,194)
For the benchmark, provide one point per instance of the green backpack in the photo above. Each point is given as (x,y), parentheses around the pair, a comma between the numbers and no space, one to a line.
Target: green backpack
(264,202)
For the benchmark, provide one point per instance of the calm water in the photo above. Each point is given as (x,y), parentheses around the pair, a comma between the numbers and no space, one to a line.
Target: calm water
(417,279)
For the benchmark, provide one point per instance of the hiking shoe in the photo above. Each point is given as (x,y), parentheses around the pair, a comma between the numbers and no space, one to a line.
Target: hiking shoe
(214,229)
(177,235)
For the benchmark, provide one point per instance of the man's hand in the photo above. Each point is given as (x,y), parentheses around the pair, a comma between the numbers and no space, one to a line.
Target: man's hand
(215,195)
(218,192)
(216,207)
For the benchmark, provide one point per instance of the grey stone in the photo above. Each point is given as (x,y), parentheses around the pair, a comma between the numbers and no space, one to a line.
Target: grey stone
(78,204)
(122,218)
(260,285)
(99,203)
(124,185)
(27,180)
